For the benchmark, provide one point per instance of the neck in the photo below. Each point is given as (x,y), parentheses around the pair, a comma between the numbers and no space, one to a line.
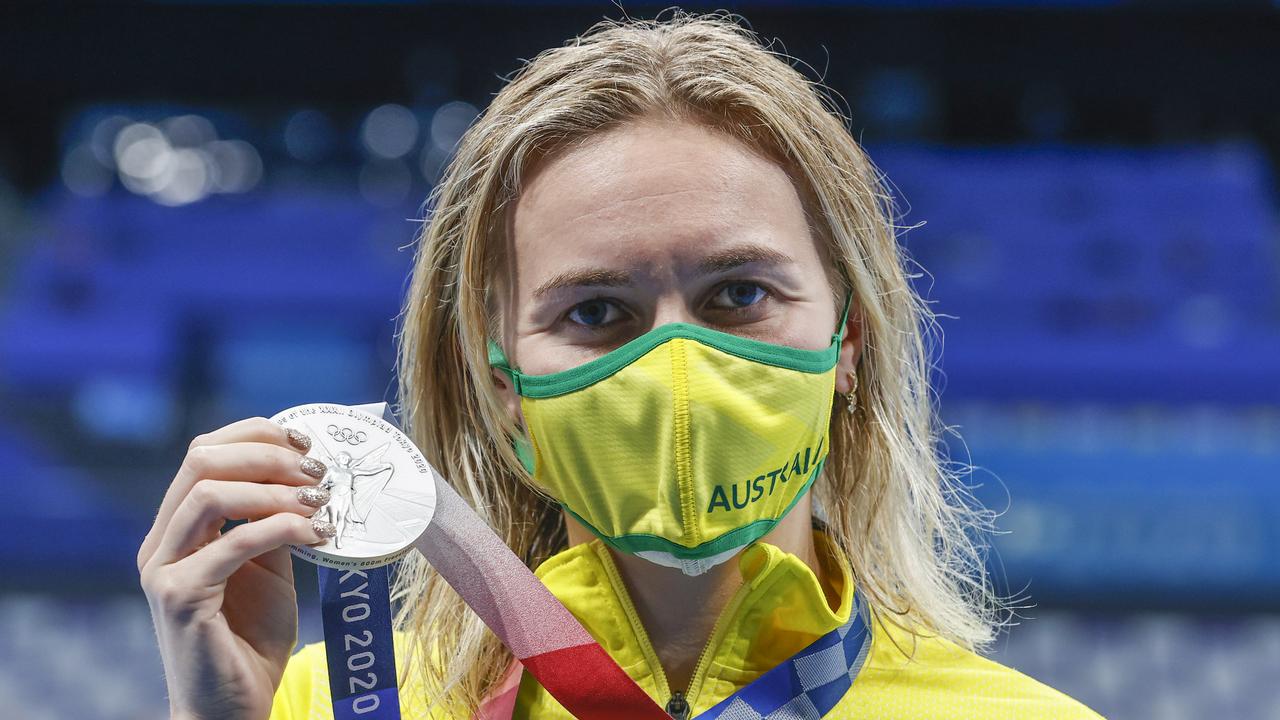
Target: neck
(679,611)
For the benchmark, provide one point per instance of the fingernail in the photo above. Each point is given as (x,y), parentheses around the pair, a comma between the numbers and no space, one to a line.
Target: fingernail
(312,467)
(313,496)
(298,439)
(324,529)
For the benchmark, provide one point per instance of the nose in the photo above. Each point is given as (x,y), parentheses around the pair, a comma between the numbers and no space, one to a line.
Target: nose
(673,308)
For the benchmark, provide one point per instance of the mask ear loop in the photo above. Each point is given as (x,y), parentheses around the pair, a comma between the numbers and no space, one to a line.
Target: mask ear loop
(498,360)
(852,396)
(521,443)
(844,318)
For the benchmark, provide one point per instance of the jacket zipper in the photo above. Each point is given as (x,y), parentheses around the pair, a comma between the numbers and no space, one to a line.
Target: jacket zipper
(678,707)
(677,701)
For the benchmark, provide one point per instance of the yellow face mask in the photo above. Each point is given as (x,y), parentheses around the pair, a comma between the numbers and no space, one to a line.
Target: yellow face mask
(683,445)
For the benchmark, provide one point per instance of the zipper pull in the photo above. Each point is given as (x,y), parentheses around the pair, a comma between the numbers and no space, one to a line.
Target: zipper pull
(678,707)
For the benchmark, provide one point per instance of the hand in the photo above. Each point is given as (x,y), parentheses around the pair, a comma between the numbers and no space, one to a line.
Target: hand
(223,603)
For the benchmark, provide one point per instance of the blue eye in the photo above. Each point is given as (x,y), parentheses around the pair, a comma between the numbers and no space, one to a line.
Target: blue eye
(594,313)
(738,295)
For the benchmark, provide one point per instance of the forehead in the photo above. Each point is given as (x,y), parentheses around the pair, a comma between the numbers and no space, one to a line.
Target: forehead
(653,191)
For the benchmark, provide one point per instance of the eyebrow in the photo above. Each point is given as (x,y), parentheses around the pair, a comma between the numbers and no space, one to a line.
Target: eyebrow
(736,257)
(718,262)
(584,277)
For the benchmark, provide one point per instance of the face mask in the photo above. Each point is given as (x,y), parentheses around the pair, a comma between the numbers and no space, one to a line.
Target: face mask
(683,445)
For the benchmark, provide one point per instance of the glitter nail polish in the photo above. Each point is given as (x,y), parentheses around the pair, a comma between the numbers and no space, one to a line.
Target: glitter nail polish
(313,496)
(298,439)
(312,467)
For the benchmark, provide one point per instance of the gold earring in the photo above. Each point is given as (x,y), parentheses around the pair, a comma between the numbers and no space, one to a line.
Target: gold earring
(852,395)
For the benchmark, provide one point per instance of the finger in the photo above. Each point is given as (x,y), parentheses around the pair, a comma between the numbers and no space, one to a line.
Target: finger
(213,502)
(254,429)
(250,460)
(278,562)
(253,462)
(215,562)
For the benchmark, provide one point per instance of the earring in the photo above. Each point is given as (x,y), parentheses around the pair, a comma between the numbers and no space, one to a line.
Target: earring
(852,395)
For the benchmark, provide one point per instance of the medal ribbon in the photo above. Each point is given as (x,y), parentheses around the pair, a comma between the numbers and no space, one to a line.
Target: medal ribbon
(809,684)
(355,606)
(542,634)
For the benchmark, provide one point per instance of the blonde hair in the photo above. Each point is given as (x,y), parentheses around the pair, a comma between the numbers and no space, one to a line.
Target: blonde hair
(887,497)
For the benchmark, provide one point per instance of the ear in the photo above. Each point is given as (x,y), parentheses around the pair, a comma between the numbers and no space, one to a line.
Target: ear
(850,349)
(508,393)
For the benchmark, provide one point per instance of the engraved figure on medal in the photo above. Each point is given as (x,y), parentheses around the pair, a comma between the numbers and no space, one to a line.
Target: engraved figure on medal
(354,485)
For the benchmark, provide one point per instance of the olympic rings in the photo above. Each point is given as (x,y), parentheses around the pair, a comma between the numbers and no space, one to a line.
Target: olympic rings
(346,435)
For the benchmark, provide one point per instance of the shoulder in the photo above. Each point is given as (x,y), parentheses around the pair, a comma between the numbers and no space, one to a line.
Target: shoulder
(925,676)
(304,690)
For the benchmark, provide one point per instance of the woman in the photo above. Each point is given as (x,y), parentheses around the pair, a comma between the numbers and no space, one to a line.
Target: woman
(661,337)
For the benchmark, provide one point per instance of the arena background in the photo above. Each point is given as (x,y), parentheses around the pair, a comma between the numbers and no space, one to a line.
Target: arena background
(205,210)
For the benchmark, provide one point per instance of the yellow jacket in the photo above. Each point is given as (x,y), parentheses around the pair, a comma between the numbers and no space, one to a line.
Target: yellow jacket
(780,608)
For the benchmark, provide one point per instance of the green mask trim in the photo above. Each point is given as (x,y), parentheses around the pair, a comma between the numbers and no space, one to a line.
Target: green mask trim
(751,532)
(589,373)
(524,452)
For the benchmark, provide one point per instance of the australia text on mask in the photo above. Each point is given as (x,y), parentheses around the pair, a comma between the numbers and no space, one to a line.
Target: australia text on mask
(742,493)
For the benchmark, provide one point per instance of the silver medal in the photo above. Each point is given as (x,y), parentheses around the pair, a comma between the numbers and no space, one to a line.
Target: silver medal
(382,490)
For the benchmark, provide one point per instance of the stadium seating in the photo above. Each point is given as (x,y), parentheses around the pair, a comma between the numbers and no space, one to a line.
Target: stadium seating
(1114,275)
(97,658)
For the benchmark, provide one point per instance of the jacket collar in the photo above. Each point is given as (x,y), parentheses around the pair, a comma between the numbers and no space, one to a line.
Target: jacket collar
(779,609)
